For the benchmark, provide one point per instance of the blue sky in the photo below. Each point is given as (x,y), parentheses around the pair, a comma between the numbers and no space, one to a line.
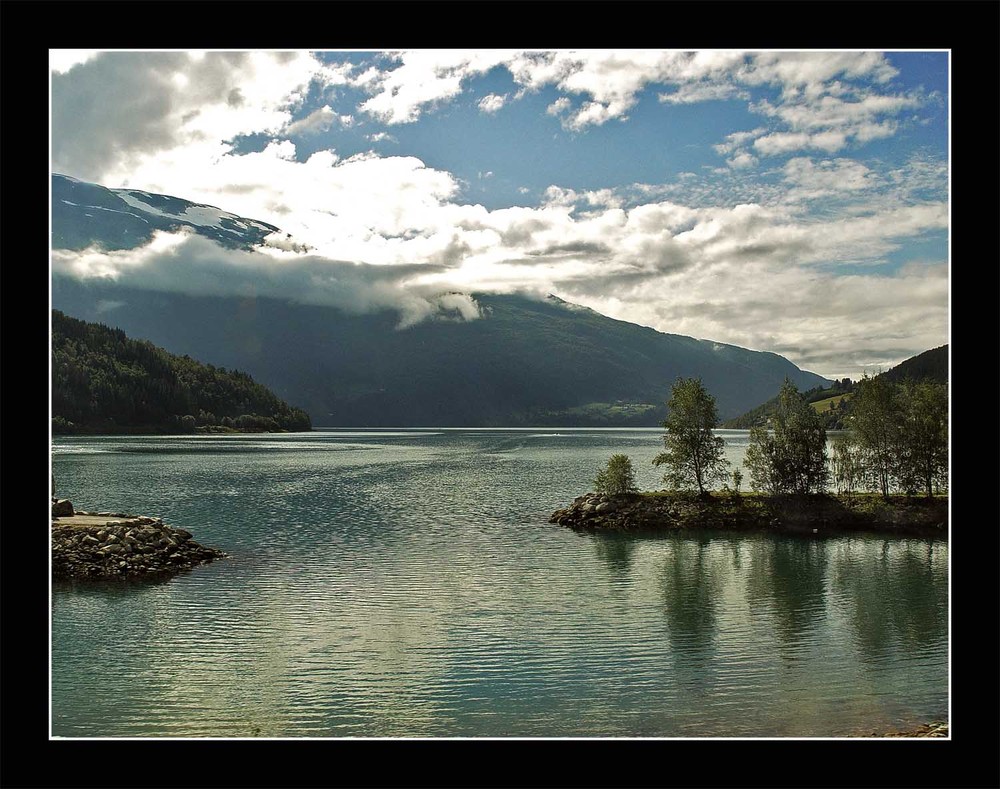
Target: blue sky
(795,202)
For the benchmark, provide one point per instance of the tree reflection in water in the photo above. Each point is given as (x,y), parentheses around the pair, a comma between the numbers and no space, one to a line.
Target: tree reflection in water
(691,590)
(787,578)
(617,551)
(895,598)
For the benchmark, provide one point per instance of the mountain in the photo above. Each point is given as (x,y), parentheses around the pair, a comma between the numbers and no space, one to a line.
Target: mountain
(104,382)
(85,213)
(524,361)
(930,365)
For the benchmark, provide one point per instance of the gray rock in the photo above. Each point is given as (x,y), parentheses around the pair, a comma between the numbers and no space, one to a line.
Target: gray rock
(62,508)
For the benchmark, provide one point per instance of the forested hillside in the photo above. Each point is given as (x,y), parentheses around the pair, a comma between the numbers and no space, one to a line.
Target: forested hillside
(833,404)
(104,382)
(832,417)
(930,365)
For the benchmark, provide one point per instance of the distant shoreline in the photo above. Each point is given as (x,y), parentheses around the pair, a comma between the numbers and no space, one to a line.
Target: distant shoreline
(805,514)
(209,430)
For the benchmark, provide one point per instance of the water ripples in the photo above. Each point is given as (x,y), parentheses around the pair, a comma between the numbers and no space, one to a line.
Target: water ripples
(415,589)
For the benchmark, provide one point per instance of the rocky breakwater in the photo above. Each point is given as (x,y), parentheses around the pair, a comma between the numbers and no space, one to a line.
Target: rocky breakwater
(112,545)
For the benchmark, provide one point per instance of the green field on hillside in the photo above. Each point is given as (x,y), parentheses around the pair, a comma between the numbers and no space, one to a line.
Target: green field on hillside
(820,406)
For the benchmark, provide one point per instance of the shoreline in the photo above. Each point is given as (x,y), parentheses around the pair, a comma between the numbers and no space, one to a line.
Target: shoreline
(817,515)
(936,729)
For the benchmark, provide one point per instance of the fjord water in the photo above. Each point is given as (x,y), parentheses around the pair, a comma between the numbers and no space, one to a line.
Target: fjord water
(407,583)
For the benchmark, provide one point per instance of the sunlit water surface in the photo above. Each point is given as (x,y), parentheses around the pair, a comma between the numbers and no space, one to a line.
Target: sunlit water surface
(407,583)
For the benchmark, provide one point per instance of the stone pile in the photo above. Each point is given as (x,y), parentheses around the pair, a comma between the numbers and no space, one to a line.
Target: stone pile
(600,511)
(127,547)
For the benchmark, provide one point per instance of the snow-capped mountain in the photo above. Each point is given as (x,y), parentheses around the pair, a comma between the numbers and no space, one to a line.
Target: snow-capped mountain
(85,214)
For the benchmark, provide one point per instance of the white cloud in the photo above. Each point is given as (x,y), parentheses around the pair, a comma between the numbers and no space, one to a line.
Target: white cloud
(62,60)
(742,160)
(830,324)
(813,180)
(318,121)
(610,82)
(422,79)
(699,92)
(117,109)
(492,103)
(187,263)
(829,122)
(559,106)
(809,73)
(736,140)
(821,104)
(833,112)
(787,142)
(866,132)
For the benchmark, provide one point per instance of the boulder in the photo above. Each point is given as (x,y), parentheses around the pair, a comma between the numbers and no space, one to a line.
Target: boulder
(62,508)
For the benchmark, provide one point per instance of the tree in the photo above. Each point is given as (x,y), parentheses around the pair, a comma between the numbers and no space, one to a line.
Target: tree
(763,462)
(694,454)
(922,455)
(617,478)
(875,422)
(846,464)
(791,457)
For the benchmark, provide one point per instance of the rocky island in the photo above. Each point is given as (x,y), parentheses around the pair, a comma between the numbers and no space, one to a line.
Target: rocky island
(100,545)
(813,514)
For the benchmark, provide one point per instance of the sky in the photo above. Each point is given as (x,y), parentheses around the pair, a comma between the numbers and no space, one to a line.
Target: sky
(785,201)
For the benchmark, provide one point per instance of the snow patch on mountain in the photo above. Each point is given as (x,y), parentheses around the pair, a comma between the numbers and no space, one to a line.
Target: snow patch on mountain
(102,208)
(194,213)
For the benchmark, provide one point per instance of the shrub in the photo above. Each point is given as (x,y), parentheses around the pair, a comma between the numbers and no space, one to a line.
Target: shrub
(617,478)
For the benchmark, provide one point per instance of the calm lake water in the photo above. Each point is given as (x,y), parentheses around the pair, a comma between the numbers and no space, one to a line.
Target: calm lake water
(407,583)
